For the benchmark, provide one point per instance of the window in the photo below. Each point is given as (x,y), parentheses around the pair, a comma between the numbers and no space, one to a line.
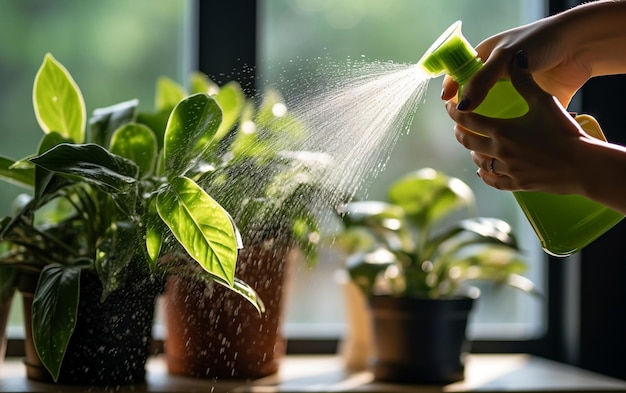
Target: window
(297,36)
(115,50)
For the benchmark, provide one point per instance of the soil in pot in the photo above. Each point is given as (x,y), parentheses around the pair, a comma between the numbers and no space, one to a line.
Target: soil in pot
(420,340)
(214,333)
(111,341)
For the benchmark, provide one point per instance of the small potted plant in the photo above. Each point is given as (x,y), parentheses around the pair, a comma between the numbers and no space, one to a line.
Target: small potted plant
(413,261)
(274,194)
(104,207)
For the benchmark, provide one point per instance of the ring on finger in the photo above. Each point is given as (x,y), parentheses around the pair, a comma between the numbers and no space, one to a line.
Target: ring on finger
(491,166)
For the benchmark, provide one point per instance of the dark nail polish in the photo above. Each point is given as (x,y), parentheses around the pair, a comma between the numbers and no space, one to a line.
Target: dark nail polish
(522,59)
(463,104)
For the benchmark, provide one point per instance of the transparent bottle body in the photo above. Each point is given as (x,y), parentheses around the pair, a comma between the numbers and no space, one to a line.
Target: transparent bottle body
(564,224)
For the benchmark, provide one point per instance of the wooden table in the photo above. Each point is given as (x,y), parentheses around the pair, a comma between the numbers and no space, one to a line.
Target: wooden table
(484,373)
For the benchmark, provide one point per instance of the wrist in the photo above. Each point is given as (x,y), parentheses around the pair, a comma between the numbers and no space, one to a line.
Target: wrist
(592,33)
(602,171)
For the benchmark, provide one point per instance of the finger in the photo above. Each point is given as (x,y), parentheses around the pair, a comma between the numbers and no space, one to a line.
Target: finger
(472,141)
(473,121)
(449,89)
(497,181)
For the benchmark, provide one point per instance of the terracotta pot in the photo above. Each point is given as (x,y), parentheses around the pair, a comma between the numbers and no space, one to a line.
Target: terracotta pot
(420,340)
(213,332)
(111,341)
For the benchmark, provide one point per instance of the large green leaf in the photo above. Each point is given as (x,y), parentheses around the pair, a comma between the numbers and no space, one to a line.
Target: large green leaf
(55,308)
(104,121)
(137,143)
(201,225)
(190,128)
(58,102)
(93,164)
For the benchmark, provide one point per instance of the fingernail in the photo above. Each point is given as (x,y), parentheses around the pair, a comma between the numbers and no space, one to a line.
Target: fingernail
(463,104)
(522,59)
(478,172)
(443,91)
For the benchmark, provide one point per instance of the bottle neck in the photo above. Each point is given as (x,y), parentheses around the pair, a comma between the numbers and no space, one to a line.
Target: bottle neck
(464,73)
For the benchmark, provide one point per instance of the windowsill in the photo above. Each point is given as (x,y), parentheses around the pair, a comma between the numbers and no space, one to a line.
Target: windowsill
(493,373)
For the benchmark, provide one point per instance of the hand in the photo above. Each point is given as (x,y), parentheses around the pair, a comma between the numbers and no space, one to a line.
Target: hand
(540,151)
(547,43)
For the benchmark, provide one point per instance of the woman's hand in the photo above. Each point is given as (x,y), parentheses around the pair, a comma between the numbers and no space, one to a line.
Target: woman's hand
(546,150)
(540,151)
(548,44)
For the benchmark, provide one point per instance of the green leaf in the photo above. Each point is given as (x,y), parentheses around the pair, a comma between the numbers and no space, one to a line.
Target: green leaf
(471,232)
(137,143)
(364,268)
(58,102)
(55,308)
(93,164)
(201,83)
(156,122)
(242,288)
(374,214)
(427,195)
(201,225)
(47,182)
(168,94)
(155,233)
(23,177)
(190,128)
(232,100)
(113,255)
(104,121)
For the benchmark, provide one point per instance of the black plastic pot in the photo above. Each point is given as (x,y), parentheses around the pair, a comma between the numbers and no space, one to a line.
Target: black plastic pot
(420,340)
(111,341)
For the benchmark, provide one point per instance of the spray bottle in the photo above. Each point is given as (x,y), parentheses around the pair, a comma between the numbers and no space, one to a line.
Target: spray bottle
(564,224)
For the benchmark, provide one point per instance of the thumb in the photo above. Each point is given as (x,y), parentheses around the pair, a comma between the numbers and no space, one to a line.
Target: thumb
(523,80)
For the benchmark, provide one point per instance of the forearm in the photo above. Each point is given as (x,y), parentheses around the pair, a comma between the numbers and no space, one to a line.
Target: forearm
(595,34)
(603,174)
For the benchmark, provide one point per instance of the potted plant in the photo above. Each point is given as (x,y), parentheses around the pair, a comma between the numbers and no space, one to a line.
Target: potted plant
(274,194)
(104,208)
(413,259)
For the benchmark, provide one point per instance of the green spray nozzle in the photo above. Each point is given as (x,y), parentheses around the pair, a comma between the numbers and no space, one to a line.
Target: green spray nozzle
(451,54)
